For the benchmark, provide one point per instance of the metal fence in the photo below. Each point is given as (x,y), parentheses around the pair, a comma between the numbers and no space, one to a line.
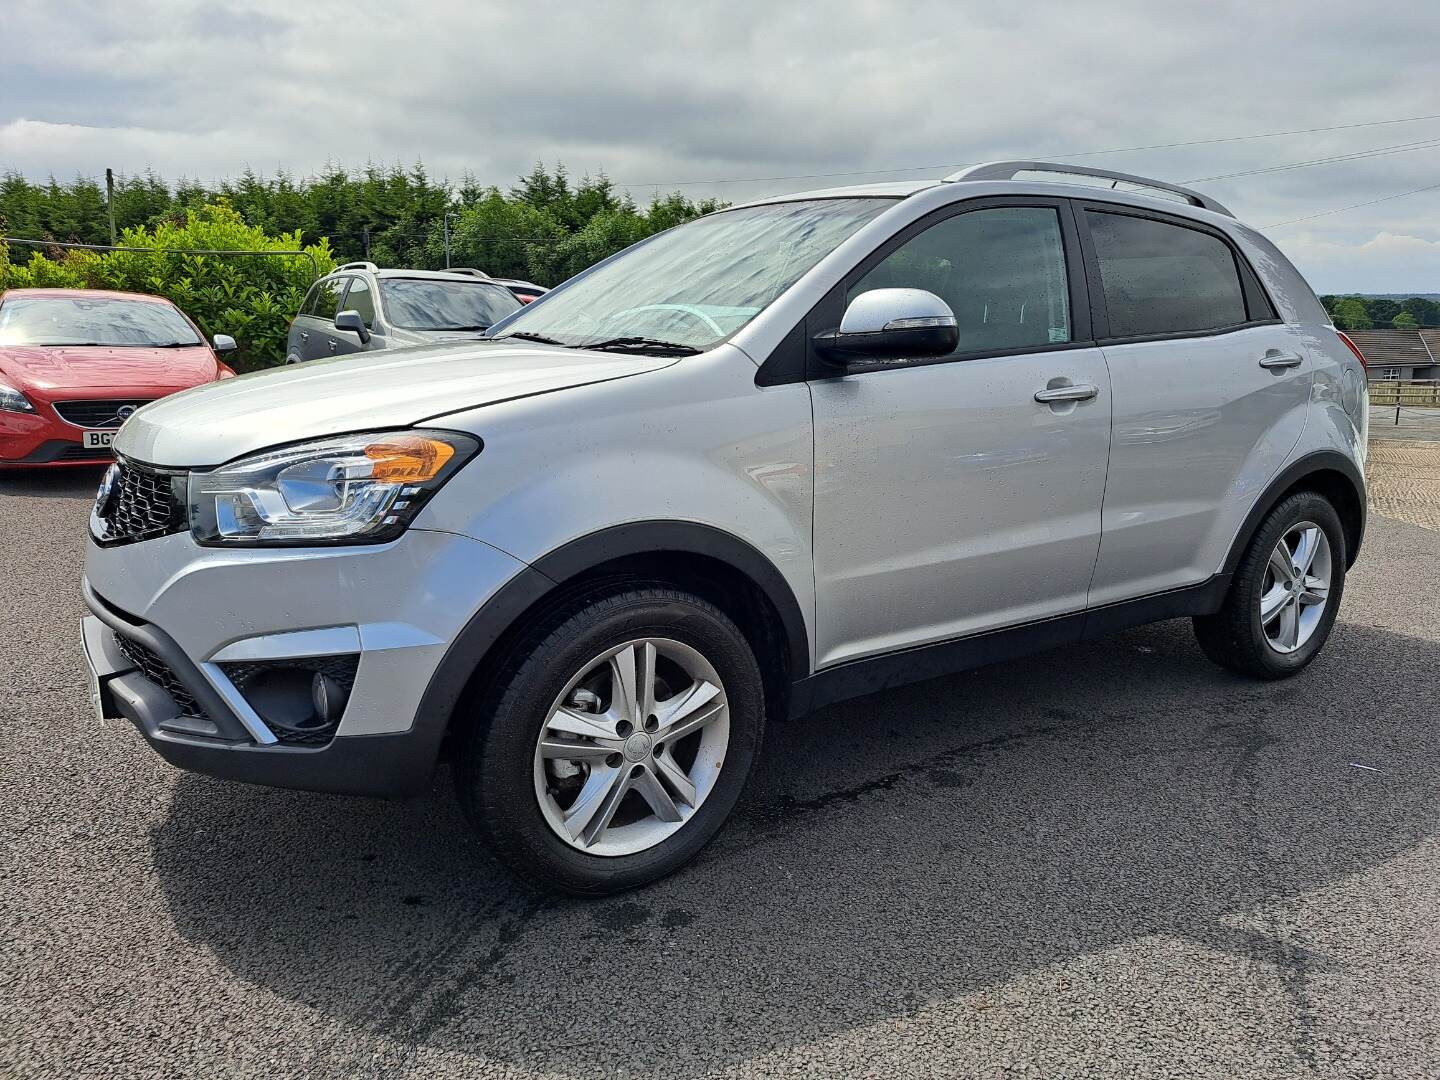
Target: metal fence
(1407,392)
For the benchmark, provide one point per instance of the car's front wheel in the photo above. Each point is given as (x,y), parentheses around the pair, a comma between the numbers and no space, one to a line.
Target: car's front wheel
(1285,594)
(615,742)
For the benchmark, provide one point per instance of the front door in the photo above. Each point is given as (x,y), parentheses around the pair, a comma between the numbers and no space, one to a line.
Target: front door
(948,499)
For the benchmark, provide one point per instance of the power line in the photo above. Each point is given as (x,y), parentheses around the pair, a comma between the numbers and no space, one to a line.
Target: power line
(1352,206)
(1379,151)
(1086,153)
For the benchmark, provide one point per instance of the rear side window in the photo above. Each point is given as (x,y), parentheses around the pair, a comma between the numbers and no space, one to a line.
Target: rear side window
(361,299)
(1002,271)
(323,299)
(1164,279)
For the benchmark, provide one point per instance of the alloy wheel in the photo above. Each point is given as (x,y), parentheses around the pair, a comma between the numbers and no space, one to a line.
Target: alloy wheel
(631,747)
(1296,587)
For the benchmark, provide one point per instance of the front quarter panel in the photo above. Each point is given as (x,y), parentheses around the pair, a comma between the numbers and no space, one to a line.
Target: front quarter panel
(694,442)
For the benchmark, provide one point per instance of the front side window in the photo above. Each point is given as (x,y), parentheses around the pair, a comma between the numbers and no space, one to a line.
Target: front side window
(324,298)
(361,299)
(83,320)
(431,304)
(696,285)
(1002,271)
(1164,279)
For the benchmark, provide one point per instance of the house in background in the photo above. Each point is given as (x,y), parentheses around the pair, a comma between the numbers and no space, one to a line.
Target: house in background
(1399,354)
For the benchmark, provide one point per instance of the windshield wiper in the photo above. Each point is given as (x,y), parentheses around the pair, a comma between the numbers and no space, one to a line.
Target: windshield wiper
(453,329)
(171,345)
(639,344)
(522,335)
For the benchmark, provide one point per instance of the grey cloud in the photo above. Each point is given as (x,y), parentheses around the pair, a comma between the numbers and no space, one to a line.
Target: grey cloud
(652,92)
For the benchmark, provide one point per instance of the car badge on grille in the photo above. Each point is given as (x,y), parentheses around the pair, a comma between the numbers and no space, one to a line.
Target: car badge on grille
(109,489)
(125,412)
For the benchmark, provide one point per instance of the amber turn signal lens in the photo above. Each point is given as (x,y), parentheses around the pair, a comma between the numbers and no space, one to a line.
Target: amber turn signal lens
(408,459)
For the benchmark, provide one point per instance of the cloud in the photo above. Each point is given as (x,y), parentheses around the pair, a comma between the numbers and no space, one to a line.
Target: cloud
(662,93)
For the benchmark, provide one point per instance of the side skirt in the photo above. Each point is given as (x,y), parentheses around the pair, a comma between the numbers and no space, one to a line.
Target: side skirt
(873,674)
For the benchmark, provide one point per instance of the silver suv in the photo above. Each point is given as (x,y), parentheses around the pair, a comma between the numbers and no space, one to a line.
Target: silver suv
(362,308)
(792,452)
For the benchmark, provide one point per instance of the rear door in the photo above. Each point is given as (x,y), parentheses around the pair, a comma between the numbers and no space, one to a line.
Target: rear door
(1210,391)
(948,499)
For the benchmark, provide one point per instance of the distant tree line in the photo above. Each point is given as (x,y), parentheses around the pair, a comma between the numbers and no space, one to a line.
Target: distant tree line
(1381,313)
(545,227)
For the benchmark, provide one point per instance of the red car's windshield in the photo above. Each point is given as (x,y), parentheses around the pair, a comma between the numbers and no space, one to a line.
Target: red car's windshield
(86,320)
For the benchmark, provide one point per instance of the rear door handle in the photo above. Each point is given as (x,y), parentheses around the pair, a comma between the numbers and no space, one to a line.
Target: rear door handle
(1075,392)
(1275,359)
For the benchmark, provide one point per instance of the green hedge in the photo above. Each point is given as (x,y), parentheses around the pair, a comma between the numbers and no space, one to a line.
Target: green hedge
(250,297)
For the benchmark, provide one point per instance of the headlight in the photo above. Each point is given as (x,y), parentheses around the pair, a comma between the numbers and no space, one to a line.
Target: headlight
(355,489)
(12,400)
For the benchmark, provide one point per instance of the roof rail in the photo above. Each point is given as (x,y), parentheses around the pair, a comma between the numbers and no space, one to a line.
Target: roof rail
(1006,170)
(359,264)
(466,270)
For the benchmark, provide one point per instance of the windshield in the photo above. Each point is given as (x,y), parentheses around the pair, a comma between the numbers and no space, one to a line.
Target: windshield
(85,320)
(421,304)
(699,283)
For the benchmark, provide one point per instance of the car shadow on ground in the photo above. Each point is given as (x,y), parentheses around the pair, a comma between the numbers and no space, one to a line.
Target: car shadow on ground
(77,482)
(893,851)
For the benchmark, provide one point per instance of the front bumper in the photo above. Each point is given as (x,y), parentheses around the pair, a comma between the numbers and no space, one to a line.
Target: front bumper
(172,622)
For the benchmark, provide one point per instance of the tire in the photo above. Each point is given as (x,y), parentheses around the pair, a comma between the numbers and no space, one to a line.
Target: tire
(1239,636)
(509,787)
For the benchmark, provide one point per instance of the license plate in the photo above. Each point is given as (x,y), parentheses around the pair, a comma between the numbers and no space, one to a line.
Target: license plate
(97,440)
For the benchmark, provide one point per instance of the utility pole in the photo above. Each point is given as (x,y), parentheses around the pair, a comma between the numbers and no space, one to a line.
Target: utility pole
(446,225)
(110,201)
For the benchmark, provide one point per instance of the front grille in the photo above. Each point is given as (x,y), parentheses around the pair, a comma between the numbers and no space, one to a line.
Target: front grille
(76,452)
(158,672)
(97,413)
(142,503)
(294,727)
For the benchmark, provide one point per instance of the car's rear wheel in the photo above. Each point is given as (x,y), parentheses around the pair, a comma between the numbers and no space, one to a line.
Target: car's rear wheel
(1285,594)
(616,741)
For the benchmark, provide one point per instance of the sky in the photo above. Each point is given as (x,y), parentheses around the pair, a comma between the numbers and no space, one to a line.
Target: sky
(679,95)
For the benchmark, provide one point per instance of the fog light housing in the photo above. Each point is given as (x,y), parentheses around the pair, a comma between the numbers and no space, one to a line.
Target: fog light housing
(301,700)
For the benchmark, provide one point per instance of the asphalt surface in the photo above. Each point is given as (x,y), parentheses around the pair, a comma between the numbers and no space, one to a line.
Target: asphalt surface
(1114,860)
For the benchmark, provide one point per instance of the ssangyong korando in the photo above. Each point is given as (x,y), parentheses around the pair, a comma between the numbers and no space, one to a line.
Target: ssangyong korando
(788,453)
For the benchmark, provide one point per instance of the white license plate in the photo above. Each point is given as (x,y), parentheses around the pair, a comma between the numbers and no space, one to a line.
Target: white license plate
(97,440)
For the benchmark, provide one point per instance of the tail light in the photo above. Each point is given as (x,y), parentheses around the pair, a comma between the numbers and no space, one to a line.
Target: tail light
(1352,347)
(526,298)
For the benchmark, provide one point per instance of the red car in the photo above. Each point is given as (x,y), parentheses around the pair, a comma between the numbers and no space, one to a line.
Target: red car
(76,363)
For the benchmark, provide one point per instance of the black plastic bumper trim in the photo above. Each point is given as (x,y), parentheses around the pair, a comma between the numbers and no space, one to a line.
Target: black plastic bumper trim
(390,765)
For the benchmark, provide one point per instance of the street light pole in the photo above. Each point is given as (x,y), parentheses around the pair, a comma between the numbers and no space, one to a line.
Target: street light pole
(110,201)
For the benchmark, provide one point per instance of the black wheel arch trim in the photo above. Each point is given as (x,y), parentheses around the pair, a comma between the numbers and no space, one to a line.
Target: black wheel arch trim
(686,538)
(533,584)
(1317,462)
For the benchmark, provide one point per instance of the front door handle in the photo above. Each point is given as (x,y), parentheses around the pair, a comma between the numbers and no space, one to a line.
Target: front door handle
(1276,359)
(1074,392)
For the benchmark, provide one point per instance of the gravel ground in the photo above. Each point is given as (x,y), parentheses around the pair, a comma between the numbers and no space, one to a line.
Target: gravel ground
(1115,860)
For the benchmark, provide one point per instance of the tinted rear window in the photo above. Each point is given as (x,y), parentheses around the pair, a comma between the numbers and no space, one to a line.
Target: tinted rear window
(1164,279)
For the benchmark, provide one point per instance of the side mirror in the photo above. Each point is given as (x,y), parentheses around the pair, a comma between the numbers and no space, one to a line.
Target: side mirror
(893,324)
(224,343)
(351,320)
